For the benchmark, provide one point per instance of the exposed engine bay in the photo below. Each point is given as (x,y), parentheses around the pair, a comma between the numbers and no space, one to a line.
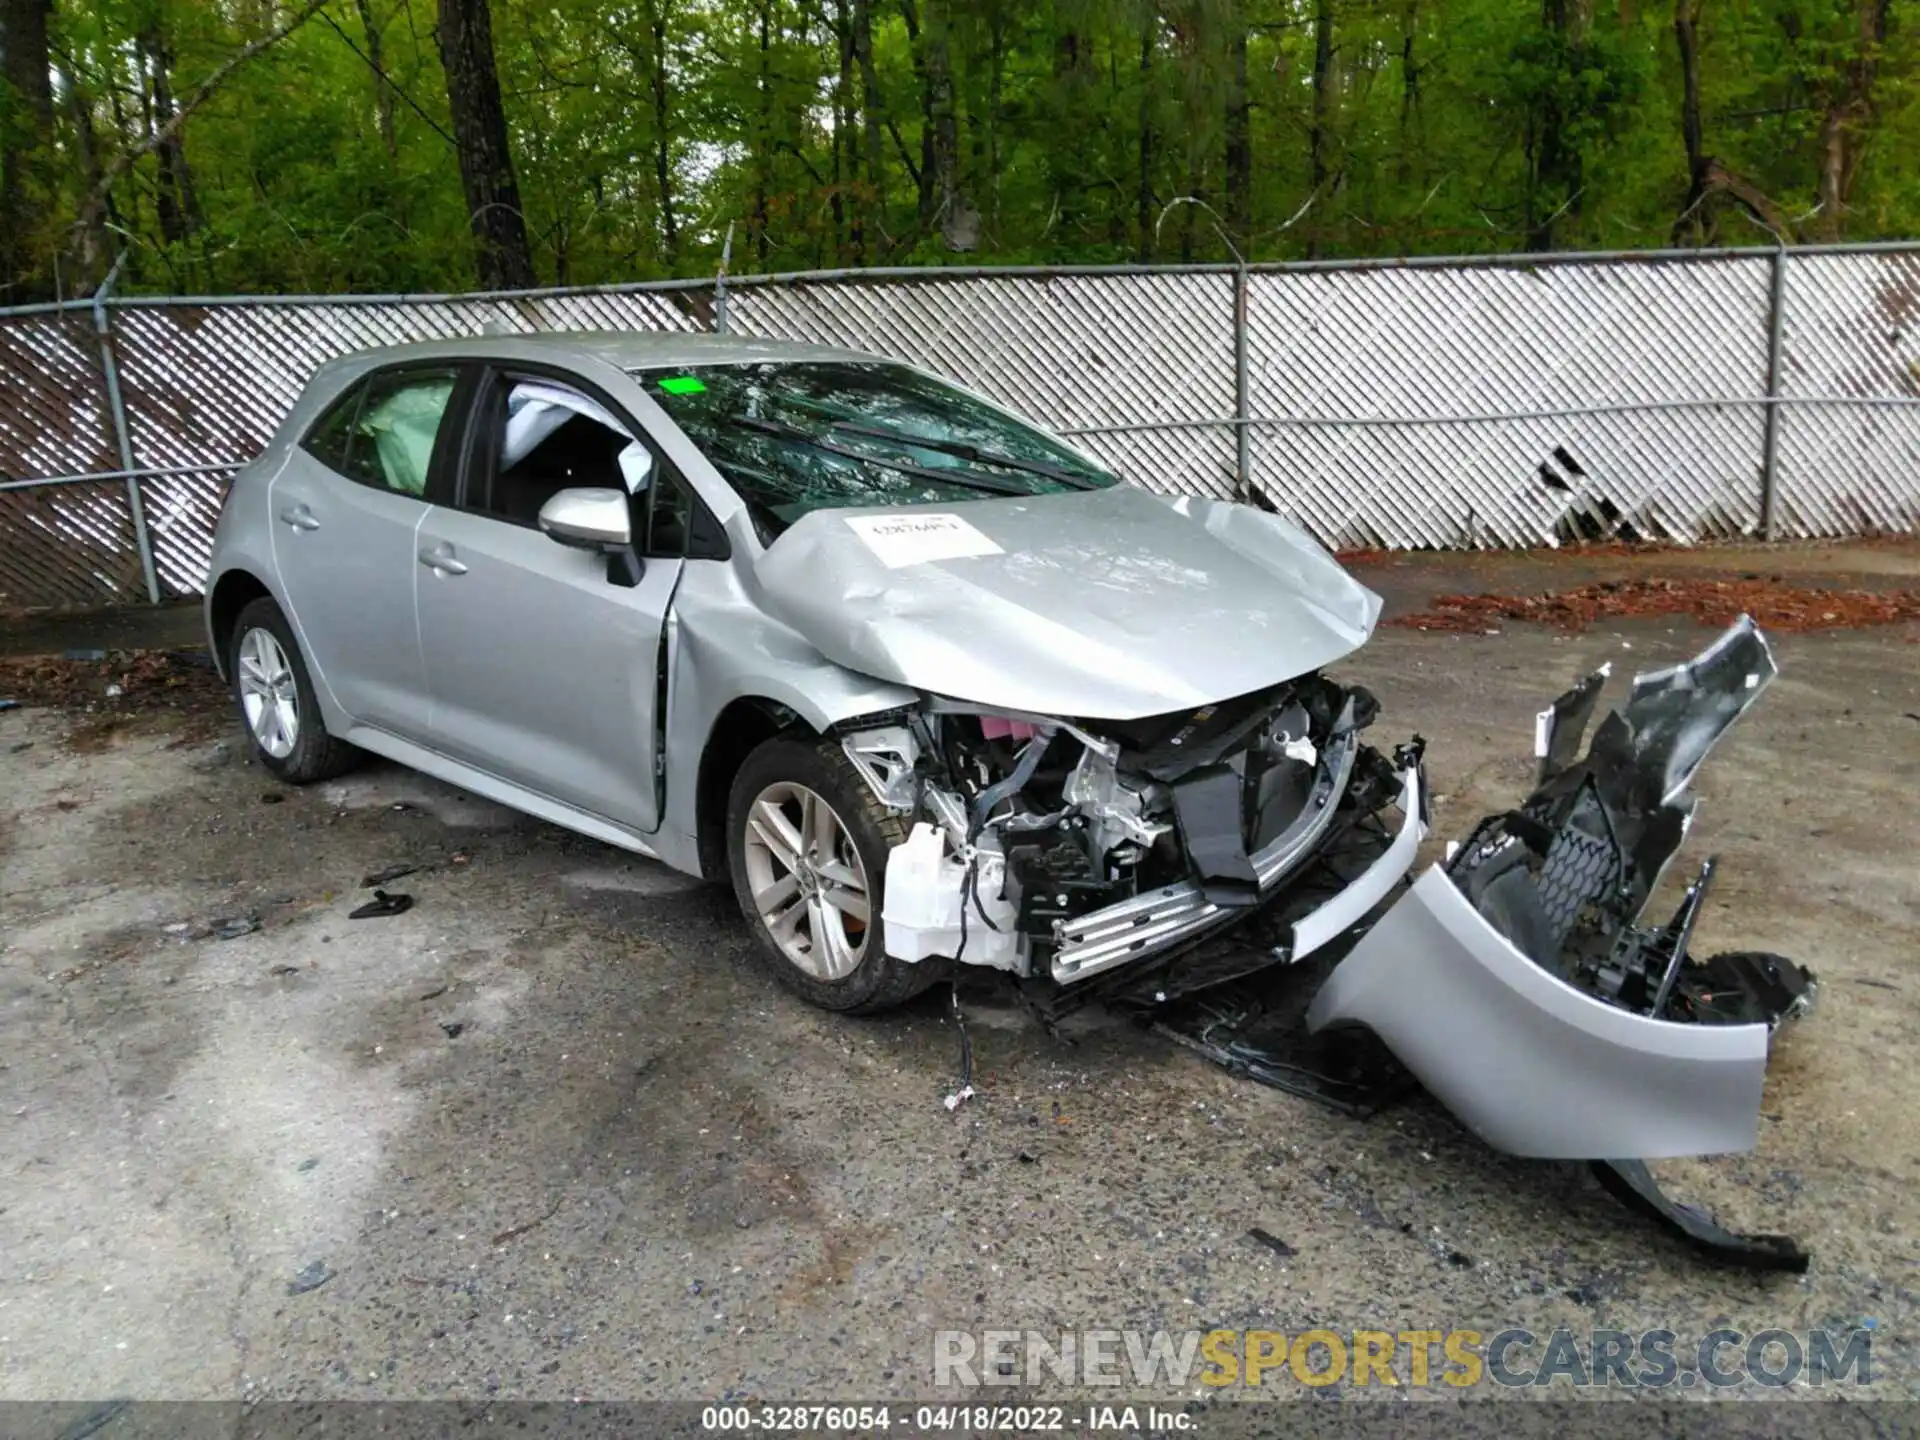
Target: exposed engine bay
(1220,871)
(1057,852)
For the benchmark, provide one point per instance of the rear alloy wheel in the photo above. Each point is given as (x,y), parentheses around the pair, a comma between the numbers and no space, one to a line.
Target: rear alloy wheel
(269,700)
(276,702)
(808,842)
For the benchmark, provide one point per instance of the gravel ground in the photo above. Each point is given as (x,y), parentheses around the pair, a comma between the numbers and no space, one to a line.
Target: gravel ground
(552,1133)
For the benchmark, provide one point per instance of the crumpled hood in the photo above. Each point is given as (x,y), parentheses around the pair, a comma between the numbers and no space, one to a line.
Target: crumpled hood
(1101,604)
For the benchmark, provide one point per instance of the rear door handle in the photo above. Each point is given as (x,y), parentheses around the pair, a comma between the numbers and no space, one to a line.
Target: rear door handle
(300,517)
(440,559)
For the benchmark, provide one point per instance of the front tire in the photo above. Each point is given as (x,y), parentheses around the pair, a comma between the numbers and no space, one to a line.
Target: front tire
(807,844)
(274,694)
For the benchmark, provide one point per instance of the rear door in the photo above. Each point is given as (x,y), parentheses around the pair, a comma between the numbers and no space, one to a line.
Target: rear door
(544,671)
(345,509)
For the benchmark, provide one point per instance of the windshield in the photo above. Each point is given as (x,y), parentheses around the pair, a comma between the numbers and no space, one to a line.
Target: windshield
(795,436)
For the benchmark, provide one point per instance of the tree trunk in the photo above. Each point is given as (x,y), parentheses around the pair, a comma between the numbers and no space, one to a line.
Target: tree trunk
(91,251)
(26,148)
(1239,136)
(1070,155)
(1319,133)
(382,87)
(1848,119)
(502,258)
(843,215)
(1557,177)
(1686,14)
(996,74)
(763,134)
(941,203)
(1409,88)
(871,122)
(917,52)
(173,192)
(662,129)
(1143,181)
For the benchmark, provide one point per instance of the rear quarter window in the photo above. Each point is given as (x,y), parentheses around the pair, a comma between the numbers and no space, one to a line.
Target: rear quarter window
(328,439)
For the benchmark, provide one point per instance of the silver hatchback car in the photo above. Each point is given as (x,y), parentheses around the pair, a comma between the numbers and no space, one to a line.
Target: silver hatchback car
(931,687)
(857,639)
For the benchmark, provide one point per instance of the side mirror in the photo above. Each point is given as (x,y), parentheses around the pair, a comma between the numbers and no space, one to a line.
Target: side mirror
(588,519)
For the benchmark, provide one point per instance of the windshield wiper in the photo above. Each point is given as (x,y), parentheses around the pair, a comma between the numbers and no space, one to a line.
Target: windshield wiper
(965,479)
(966,451)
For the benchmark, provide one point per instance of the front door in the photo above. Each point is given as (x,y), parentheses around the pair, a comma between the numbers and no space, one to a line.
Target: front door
(345,510)
(543,671)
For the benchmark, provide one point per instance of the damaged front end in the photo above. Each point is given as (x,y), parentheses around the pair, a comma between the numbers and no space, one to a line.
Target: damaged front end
(1060,851)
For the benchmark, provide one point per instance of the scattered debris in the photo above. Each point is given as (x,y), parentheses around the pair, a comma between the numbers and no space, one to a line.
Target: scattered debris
(964,1092)
(215,757)
(310,1278)
(1633,1185)
(128,680)
(386,875)
(382,904)
(1272,1242)
(224,927)
(1772,603)
(552,1210)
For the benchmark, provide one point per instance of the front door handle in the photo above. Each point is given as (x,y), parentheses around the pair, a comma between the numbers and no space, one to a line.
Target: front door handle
(300,517)
(440,559)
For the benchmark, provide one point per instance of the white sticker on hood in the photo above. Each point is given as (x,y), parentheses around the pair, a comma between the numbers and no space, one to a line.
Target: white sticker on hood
(918,538)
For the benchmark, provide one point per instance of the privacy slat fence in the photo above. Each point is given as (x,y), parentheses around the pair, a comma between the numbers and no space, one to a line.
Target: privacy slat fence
(1463,402)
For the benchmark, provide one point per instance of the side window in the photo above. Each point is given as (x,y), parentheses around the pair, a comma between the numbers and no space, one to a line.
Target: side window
(670,517)
(327,440)
(391,443)
(540,437)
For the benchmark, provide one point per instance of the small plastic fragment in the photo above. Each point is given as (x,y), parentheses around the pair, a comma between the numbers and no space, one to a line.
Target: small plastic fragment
(382,904)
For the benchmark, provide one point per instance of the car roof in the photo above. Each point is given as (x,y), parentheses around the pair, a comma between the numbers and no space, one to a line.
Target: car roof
(626,349)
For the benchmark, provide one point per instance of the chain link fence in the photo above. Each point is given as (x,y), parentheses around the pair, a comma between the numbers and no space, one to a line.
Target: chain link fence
(1472,402)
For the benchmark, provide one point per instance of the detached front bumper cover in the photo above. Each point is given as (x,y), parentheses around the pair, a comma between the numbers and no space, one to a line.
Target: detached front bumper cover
(1517,985)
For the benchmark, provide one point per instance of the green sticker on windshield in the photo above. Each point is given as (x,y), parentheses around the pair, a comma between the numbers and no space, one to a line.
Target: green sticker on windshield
(683,385)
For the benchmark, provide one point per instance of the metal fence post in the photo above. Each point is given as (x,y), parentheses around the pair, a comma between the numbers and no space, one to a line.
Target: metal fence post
(123,436)
(720,283)
(1770,434)
(1242,466)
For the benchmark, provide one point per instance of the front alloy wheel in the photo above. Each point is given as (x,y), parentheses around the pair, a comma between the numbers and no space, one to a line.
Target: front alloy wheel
(807,845)
(808,881)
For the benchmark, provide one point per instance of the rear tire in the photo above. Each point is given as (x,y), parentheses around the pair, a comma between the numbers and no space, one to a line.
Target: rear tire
(275,698)
(807,845)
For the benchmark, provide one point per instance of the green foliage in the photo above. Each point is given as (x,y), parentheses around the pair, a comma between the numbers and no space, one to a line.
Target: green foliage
(643,130)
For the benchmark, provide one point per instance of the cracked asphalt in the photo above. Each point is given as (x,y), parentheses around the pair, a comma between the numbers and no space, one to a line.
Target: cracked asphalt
(552,1133)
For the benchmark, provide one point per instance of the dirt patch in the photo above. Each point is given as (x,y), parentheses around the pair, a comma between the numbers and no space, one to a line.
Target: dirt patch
(114,682)
(1773,604)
